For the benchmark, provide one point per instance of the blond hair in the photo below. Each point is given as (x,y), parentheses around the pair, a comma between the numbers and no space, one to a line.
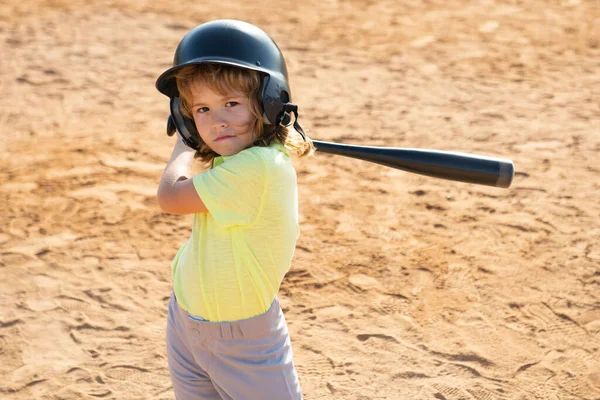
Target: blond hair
(225,78)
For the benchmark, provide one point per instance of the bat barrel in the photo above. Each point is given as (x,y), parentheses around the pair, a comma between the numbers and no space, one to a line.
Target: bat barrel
(454,166)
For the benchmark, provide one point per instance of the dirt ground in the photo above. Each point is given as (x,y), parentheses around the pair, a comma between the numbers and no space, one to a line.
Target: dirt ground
(402,286)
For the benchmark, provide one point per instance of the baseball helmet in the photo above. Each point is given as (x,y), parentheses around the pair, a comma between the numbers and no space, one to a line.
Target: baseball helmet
(234,43)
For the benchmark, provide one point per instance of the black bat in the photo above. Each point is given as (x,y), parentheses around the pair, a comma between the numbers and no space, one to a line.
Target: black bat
(454,166)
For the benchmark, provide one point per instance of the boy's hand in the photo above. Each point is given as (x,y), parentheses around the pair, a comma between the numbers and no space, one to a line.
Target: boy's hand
(181,147)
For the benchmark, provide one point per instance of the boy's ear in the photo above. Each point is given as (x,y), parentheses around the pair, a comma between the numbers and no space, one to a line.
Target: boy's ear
(185,126)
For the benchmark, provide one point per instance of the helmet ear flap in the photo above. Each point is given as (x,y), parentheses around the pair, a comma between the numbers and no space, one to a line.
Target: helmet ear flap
(275,94)
(185,126)
(171,128)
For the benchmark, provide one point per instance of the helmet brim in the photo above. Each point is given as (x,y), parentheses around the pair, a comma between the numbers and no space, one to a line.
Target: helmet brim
(166,82)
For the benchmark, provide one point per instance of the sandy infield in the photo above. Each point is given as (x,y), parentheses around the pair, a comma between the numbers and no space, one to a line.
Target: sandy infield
(402,286)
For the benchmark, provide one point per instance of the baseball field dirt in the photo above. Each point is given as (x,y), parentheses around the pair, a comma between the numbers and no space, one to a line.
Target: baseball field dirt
(402,286)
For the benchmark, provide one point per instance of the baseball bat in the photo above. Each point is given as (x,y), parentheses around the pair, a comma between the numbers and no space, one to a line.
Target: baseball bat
(461,167)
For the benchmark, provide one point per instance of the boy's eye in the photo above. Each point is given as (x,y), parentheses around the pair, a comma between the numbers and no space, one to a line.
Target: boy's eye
(232,103)
(202,110)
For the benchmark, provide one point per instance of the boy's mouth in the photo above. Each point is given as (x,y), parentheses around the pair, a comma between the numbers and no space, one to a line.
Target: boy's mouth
(223,137)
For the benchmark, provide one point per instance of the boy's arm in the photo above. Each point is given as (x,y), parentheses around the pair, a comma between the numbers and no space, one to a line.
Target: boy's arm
(176,193)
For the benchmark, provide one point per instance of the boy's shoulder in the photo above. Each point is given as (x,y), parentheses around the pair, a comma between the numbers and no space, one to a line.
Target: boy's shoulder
(255,157)
(268,154)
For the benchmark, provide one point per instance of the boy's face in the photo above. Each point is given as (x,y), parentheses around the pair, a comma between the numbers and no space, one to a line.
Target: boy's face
(224,121)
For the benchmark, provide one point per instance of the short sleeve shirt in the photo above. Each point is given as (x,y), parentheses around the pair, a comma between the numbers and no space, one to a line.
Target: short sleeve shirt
(239,251)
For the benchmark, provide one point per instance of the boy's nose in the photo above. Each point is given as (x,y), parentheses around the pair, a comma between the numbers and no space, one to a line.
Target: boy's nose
(219,122)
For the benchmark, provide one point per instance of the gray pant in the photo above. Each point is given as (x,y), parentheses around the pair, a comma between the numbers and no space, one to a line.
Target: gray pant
(246,359)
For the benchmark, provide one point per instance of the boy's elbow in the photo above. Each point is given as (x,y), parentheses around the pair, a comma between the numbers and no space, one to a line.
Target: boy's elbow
(163,199)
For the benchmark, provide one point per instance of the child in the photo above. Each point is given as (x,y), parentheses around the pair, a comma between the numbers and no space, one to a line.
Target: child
(230,102)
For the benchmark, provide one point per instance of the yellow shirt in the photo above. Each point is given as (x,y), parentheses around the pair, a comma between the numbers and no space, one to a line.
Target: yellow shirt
(238,253)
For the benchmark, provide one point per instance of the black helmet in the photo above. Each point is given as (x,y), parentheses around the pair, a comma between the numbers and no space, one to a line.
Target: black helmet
(234,43)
